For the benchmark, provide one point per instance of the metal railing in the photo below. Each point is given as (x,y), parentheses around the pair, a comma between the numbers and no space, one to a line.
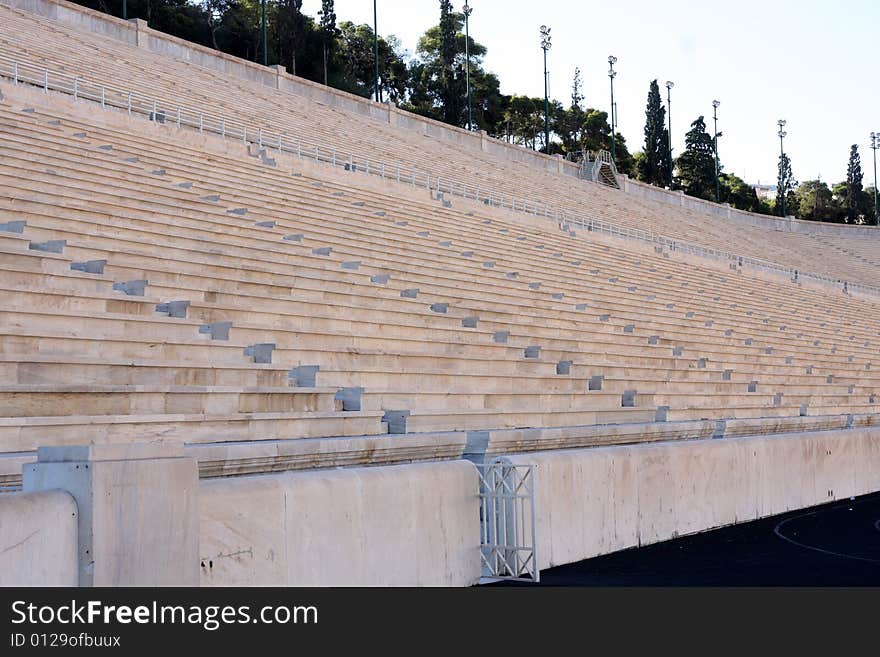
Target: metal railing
(508,536)
(161,111)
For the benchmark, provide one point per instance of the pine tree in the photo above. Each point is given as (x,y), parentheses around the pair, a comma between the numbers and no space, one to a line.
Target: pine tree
(696,166)
(653,168)
(854,197)
(785,186)
(328,31)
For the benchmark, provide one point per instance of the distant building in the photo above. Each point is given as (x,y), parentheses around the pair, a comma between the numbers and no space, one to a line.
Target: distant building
(766,192)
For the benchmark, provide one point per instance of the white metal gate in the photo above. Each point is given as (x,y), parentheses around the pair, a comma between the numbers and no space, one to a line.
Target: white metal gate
(507,522)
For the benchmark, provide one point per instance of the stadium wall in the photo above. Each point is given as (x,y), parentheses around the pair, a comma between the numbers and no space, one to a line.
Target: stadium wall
(787,225)
(597,501)
(413,525)
(38,539)
(418,524)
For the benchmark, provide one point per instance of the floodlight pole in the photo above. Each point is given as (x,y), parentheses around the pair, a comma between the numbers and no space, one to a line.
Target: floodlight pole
(545,46)
(782,133)
(467,10)
(669,86)
(715,105)
(612,60)
(265,47)
(875,144)
(376,48)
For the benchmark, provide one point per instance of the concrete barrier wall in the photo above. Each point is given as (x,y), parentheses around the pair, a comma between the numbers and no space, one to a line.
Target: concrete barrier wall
(415,525)
(596,501)
(38,539)
(787,225)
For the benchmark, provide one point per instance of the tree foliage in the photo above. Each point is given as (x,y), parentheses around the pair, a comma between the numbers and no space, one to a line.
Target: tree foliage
(437,78)
(653,166)
(329,34)
(432,83)
(816,201)
(855,201)
(740,194)
(696,166)
(354,56)
(785,187)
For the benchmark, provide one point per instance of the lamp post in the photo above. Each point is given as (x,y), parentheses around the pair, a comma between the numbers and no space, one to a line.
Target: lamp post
(467,10)
(612,60)
(715,105)
(124,9)
(545,46)
(782,134)
(875,144)
(263,21)
(376,50)
(669,86)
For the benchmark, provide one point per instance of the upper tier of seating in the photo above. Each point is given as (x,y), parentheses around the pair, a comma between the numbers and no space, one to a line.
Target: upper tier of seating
(40,41)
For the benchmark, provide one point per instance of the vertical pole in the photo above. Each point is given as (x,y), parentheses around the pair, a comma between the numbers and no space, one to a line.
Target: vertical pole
(467,57)
(669,136)
(781,156)
(876,211)
(376,48)
(546,107)
(263,20)
(125,10)
(613,126)
(717,181)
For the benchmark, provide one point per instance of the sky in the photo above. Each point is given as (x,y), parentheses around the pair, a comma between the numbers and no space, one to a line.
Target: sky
(812,63)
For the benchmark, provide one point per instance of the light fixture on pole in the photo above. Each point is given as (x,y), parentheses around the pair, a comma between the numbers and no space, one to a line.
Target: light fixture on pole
(467,10)
(715,105)
(612,60)
(545,46)
(669,86)
(875,144)
(782,134)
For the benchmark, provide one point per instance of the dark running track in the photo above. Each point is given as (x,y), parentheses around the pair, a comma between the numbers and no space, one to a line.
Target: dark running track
(836,544)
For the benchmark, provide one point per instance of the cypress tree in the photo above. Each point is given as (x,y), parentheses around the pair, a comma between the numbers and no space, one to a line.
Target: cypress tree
(328,32)
(577,90)
(785,185)
(653,168)
(854,204)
